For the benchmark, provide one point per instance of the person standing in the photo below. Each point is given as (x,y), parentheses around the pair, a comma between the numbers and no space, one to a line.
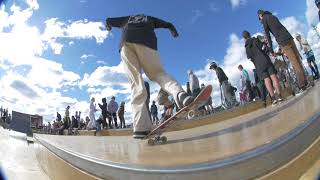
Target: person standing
(104,112)
(272,24)
(112,108)
(246,79)
(263,64)
(194,83)
(261,87)
(304,45)
(154,112)
(227,89)
(92,117)
(121,115)
(138,50)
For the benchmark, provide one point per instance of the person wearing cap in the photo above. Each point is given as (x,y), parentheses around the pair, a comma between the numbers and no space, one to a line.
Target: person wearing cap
(138,49)
(272,24)
(112,108)
(304,45)
(194,83)
(225,85)
(121,115)
(264,67)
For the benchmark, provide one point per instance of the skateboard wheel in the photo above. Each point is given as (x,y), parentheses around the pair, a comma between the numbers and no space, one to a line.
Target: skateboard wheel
(163,139)
(191,114)
(151,142)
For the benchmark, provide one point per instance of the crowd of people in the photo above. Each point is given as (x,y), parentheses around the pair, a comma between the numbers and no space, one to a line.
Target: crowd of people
(5,116)
(138,51)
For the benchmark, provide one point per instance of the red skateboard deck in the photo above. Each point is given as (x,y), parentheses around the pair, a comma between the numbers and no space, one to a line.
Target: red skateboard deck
(199,101)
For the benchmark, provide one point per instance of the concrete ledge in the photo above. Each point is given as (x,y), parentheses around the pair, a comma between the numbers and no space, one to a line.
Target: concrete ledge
(251,164)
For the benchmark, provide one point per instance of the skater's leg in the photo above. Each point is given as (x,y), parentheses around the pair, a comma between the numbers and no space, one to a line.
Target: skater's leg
(114,116)
(150,61)
(141,118)
(294,57)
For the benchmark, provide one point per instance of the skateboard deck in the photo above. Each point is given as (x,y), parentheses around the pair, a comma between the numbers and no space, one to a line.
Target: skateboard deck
(199,101)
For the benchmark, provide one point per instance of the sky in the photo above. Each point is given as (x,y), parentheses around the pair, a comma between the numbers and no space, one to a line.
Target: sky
(57,54)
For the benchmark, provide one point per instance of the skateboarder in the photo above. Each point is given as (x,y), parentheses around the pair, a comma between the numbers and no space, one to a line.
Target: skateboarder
(263,64)
(227,89)
(272,24)
(138,49)
(309,55)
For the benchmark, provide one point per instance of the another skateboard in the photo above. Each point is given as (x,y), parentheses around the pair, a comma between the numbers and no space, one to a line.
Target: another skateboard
(155,135)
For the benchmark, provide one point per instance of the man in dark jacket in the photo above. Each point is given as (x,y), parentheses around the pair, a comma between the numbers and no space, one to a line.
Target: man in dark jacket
(228,90)
(272,24)
(104,112)
(138,50)
(263,64)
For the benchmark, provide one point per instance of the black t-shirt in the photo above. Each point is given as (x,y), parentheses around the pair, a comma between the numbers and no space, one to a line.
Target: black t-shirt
(139,29)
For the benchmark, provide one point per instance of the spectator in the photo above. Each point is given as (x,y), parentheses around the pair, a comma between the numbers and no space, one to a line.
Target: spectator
(263,64)
(92,111)
(112,108)
(154,113)
(246,79)
(304,45)
(121,115)
(104,112)
(194,83)
(317,2)
(272,24)
(228,90)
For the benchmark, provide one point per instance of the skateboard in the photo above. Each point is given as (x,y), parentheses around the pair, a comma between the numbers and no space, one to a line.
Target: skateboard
(155,135)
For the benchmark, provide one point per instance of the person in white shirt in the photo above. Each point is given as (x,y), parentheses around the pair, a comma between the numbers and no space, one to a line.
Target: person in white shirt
(304,45)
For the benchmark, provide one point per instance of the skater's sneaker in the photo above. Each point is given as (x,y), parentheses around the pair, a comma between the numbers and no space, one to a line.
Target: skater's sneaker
(140,134)
(185,99)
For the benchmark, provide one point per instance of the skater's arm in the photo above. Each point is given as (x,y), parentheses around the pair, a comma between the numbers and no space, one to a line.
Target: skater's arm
(158,23)
(115,22)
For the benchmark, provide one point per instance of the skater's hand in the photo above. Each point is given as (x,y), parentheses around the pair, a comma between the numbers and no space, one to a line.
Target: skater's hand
(174,34)
(108,27)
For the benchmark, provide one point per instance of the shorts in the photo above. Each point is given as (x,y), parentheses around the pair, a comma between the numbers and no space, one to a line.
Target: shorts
(267,72)
(311,59)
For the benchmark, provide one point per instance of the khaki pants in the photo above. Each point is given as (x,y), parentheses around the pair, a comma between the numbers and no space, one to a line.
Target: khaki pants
(293,55)
(136,58)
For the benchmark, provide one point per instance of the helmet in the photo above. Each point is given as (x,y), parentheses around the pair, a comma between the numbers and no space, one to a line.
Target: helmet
(213,65)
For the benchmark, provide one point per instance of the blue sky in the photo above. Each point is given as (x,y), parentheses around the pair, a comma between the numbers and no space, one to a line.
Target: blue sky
(69,41)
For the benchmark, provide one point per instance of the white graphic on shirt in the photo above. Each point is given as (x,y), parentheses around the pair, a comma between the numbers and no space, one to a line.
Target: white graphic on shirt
(138,19)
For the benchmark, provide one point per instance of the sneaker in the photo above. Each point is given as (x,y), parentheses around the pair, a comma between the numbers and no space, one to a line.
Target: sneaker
(140,134)
(185,99)
(274,101)
(280,99)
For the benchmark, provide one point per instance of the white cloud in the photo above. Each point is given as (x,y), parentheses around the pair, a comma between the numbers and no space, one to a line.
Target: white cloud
(311,13)
(196,15)
(237,3)
(86,56)
(102,62)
